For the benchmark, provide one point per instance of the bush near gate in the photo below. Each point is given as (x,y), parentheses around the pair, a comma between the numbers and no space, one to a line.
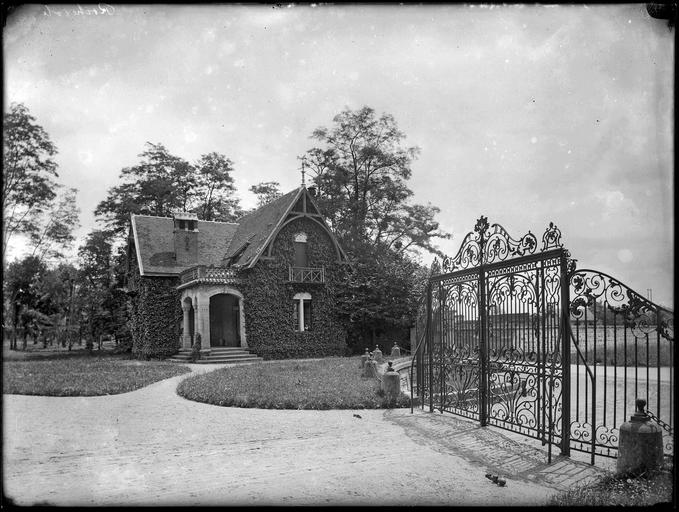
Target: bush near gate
(331,383)
(647,490)
(82,375)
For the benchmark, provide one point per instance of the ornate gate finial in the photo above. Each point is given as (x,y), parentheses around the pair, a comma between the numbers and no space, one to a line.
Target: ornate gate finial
(551,238)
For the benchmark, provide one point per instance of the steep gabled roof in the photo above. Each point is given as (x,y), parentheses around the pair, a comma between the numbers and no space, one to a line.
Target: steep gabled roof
(222,243)
(255,229)
(154,243)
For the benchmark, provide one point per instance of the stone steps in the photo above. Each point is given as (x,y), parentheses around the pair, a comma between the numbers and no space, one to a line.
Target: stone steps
(217,355)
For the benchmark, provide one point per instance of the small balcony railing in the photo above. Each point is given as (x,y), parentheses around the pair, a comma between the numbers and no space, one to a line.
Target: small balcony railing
(203,274)
(306,275)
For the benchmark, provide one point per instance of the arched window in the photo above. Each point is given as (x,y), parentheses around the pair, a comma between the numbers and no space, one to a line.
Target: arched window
(300,250)
(302,311)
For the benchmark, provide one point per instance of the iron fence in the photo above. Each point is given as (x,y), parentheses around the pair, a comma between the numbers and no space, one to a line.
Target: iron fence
(520,339)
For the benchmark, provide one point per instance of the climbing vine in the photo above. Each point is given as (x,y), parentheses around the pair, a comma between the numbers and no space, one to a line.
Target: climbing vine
(154,315)
(269,308)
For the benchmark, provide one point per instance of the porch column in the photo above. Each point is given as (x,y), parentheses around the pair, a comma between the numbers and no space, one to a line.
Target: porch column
(202,321)
(241,321)
(186,329)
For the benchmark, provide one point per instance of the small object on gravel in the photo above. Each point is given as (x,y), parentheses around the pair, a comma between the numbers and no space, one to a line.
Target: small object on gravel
(494,478)
(357,415)
(501,482)
(489,476)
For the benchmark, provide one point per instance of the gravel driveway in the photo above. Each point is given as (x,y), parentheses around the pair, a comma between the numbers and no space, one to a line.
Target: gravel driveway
(152,447)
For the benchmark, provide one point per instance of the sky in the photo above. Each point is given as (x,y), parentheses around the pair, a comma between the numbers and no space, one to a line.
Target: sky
(527,114)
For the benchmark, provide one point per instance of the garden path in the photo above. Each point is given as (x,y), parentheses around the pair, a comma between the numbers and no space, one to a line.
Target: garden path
(152,447)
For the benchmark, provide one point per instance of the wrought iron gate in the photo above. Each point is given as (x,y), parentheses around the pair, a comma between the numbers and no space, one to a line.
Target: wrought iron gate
(499,331)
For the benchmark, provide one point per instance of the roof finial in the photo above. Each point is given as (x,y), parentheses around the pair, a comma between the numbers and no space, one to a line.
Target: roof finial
(303,183)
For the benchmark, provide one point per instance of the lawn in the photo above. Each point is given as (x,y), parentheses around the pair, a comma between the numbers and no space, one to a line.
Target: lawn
(76,374)
(331,383)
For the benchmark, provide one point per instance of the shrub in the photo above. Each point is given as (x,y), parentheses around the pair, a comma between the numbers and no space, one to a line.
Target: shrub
(195,349)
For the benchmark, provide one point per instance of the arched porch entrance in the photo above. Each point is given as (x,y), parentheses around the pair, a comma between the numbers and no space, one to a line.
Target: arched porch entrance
(224,320)
(216,313)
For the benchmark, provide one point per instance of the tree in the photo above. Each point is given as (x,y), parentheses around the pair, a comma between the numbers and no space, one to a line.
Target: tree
(163,183)
(59,301)
(101,273)
(360,172)
(214,190)
(22,281)
(266,192)
(29,168)
(54,228)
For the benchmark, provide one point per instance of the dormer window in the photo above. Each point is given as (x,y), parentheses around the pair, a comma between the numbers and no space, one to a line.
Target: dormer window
(185,221)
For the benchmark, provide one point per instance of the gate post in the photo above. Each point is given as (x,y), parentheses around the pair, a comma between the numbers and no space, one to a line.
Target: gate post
(483,349)
(442,375)
(565,358)
(429,347)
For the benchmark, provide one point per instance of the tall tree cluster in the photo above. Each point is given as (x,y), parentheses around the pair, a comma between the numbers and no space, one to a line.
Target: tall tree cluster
(360,168)
(163,183)
(34,204)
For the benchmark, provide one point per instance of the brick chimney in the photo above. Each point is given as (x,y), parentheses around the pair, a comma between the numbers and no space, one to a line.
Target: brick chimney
(186,238)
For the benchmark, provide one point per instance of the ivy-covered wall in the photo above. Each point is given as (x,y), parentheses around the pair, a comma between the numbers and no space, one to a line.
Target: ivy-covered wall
(269,304)
(155,314)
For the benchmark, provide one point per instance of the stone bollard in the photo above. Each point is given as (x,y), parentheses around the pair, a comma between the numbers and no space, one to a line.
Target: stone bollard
(370,369)
(391,383)
(365,357)
(395,350)
(641,446)
(377,354)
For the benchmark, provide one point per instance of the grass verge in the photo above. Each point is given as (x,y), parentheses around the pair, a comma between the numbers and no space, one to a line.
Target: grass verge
(649,489)
(331,383)
(83,375)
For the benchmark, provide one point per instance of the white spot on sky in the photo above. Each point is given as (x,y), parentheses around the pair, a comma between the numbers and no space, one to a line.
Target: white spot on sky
(533,140)
(85,156)
(569,151)
(149,108)
(226,48)
(625,255)
(209,34)
(240,63)
(287,131)
(353,76)
(189,135)
(209,70)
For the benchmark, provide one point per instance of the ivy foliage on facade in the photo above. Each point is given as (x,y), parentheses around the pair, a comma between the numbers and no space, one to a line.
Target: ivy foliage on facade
(155,315)
(269,303)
